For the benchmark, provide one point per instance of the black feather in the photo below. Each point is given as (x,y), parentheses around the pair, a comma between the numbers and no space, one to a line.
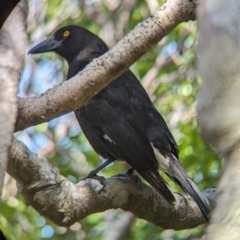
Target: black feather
(182,179)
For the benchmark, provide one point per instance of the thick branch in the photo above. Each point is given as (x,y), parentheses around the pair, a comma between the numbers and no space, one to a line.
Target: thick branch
(65,203)
(218,106)
(72,94)
(12,50)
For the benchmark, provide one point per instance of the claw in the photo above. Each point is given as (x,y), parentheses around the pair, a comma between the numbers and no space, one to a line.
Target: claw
(100,179)
(93,174)
(129,174)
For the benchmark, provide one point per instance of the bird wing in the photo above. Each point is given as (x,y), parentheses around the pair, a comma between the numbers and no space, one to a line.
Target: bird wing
(161,139)
(164,143)
(154,125)
(109,114)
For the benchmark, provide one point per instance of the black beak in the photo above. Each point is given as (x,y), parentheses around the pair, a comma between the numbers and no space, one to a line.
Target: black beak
(47,45)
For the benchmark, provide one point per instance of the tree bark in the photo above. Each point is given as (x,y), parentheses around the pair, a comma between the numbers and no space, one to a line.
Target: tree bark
(218,106)
(64,202)
(13,41)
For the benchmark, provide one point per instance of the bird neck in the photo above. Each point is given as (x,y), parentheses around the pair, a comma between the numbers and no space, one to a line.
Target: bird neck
(83,58)
(75,68)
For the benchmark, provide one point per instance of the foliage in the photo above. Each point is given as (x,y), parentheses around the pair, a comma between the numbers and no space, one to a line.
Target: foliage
(168,72)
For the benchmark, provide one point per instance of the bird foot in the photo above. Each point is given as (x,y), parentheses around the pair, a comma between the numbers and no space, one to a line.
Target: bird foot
(100,179)
(129,174)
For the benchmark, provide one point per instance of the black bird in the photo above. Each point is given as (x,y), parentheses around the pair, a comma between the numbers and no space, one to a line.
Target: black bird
(120,122)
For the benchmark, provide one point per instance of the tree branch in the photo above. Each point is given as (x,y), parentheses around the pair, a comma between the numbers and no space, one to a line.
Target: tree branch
(218,106)
(72,94)
(12,50)
(65,203)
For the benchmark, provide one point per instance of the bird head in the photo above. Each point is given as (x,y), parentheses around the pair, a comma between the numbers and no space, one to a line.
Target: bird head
(71,42)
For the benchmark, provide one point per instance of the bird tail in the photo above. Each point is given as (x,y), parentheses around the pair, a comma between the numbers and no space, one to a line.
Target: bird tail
(157,182)
(183,180)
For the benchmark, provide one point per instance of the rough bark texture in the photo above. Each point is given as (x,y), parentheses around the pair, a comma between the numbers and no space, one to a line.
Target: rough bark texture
(72,94)
(218,106)
(65,203)
(12,50)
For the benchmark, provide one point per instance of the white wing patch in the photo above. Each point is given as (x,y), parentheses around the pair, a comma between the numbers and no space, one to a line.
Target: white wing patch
(109,139)
(163,163)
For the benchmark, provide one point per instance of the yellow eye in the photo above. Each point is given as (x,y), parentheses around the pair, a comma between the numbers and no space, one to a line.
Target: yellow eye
(66,33)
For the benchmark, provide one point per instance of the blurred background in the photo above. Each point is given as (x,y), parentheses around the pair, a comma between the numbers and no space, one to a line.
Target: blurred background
(169,74)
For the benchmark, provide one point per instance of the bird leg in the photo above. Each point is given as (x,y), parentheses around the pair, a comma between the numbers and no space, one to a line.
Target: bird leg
(93,174)
(129,174)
